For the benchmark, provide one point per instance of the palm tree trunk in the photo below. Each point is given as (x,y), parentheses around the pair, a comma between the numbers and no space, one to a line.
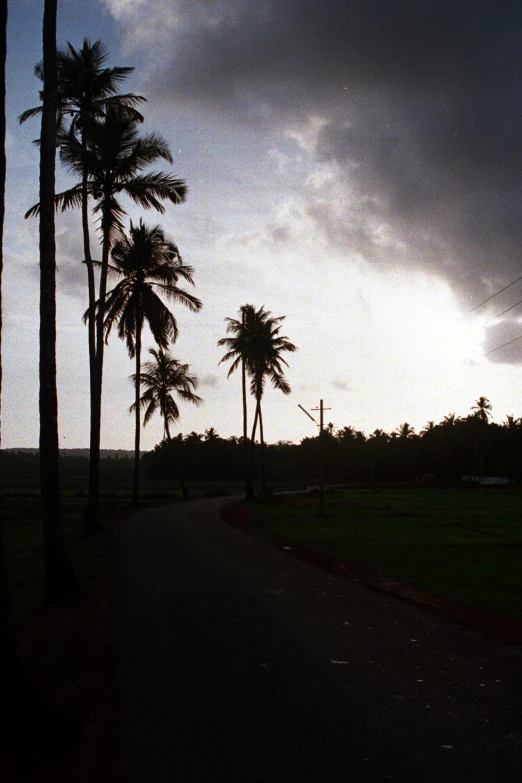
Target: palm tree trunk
(92,517)
(136,484)
(91,323)
(249,486)
(261,455)
(59,579)
(253,444)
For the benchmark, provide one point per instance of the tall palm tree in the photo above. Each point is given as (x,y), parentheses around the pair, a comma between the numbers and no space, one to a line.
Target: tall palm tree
(146,262)
(162,379)
(116,159)
(266,363)
(240,351)
(85,91)
(59,579)
(482,409)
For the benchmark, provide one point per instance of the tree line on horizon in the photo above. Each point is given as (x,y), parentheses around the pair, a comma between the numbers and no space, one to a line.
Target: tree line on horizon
(442,452)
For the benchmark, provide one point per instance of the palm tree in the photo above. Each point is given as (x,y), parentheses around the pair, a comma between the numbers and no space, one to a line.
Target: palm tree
(482,409)
(405,430)
(146,262)
(85,91)
(240,351)
(511,423)
(115,159)
(161,379)
(450,419)
(59,579)
(266,363)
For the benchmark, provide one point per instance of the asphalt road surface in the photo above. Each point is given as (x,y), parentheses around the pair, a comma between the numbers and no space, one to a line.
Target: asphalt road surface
(239,662)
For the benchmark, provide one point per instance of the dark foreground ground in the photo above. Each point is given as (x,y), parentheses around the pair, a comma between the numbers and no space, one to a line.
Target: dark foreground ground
(241,663)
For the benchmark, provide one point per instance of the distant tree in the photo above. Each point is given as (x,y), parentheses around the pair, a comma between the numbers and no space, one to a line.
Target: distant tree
(482,409)
(258,345)
(405,430)
(240,352)
(511,423)
(267,363)
(450,419)
(147,263)
(162,379)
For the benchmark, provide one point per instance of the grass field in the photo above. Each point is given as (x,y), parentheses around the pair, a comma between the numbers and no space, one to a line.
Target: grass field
(461,544)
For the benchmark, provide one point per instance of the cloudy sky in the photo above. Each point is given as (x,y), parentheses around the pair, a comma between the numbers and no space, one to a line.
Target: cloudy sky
(353,165)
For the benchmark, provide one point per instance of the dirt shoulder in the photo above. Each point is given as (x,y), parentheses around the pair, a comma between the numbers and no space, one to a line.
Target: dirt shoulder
(494,625)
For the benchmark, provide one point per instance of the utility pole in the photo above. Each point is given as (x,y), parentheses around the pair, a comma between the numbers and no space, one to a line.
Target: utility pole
(321,410)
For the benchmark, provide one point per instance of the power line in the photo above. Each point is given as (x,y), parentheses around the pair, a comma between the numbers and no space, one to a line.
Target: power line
(504,312)
(503,345)
(493,295)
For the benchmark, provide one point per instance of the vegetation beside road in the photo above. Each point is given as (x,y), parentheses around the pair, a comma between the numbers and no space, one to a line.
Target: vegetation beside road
(463,544)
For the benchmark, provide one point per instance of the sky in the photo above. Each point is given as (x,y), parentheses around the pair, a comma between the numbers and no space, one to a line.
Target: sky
(352,165)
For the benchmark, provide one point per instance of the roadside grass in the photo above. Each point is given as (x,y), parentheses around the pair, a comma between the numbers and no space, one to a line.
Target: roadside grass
(461,544)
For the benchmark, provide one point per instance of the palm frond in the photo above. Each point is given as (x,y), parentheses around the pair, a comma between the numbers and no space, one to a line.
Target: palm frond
(146,189)
(29,113)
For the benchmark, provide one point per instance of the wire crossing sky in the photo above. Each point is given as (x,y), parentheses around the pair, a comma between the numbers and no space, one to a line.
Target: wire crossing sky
(354,166)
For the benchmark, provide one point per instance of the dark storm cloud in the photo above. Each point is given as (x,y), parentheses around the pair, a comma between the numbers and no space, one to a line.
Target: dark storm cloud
(505,334)
(421,103)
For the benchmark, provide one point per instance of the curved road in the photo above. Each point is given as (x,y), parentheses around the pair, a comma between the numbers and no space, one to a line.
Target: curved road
(241,663)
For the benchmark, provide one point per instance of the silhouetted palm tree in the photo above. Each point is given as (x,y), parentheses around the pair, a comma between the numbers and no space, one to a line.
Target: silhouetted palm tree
(115,159)
(482,409)
(257,346)
(85,91)
(147,263)
(240,351)
(162,379)
(59,579)
(266,363)
(450,419)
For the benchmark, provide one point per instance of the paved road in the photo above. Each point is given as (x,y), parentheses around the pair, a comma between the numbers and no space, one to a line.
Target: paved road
(241,663)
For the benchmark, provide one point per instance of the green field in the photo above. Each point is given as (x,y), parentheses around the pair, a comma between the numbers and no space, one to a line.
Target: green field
(461,544)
